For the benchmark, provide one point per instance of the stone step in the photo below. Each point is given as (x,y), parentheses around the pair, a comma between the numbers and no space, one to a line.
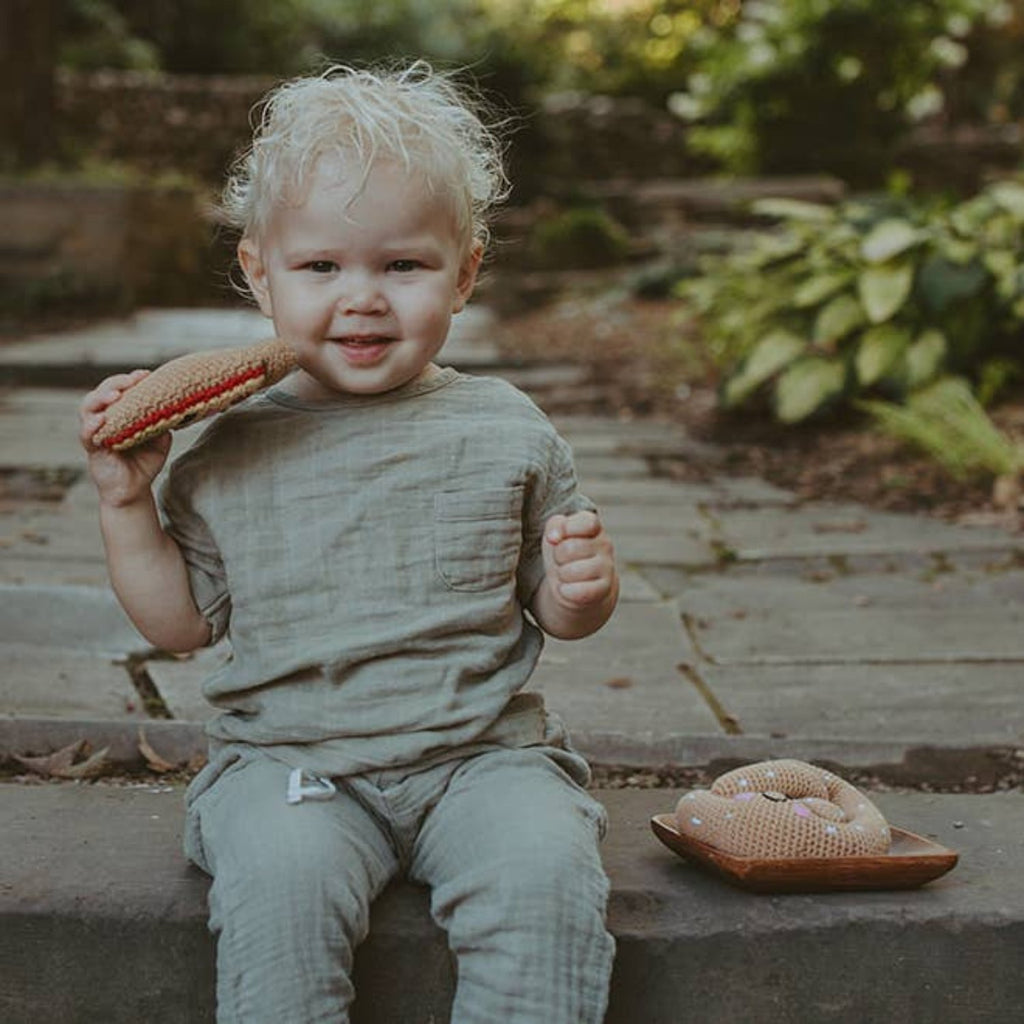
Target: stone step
(150,337)
(101,919)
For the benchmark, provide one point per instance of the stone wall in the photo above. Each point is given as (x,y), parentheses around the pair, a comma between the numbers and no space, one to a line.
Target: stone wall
(189,123)
(198,124)
(105,247)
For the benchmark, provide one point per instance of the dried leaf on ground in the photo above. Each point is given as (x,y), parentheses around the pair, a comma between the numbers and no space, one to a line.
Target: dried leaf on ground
(62,764)
(91,768)
(154,760)
(53,764)
(619,683)
(847,526)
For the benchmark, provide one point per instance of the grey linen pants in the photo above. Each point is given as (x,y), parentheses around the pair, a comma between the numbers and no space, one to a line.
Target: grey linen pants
(506,840)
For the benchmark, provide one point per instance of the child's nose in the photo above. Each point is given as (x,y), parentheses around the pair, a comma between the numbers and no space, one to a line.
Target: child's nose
(360,294)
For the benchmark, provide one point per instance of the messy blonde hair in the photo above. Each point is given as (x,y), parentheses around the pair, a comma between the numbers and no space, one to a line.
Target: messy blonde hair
(414,115)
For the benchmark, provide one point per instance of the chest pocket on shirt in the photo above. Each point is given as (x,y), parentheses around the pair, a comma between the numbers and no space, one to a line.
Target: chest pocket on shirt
(477,537)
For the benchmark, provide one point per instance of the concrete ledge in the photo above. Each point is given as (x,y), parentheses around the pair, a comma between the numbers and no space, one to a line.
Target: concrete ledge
(903,763)
(102,920)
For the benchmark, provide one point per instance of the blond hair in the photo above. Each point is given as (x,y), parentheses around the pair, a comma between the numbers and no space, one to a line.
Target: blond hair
(414,115)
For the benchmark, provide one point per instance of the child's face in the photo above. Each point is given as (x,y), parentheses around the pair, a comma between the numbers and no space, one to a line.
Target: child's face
(361,282)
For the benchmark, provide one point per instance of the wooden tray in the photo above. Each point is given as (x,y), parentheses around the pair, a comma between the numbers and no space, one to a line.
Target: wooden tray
(911,861)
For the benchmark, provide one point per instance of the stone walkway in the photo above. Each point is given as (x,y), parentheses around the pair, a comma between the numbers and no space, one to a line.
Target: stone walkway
(750,625)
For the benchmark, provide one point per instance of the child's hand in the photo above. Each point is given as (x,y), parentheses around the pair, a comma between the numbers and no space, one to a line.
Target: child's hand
(578,560)
(120,477)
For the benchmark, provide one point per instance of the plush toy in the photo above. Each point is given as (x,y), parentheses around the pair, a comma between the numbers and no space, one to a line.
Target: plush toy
(190,387)
(783,809)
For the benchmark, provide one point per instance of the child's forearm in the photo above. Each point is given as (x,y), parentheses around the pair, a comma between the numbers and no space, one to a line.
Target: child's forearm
(567,622)
(148,574)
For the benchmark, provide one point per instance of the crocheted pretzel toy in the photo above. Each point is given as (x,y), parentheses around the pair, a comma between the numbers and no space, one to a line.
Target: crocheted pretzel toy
(783,809)
(189,388)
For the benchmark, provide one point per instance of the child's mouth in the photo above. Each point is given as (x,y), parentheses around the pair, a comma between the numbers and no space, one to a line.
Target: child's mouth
(363,348)
(363,339)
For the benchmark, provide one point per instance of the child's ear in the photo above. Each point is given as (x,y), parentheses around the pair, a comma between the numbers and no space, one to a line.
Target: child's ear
(251,261)
(467,276)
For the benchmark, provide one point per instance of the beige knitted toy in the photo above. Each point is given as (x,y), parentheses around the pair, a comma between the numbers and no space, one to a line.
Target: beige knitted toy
(783,809)
(191,387)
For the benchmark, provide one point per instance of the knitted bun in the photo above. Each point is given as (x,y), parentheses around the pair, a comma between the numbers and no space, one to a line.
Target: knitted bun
(783,809)
(191,387)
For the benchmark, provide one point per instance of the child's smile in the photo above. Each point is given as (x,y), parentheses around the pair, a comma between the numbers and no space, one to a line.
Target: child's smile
(361,277)
(363,350)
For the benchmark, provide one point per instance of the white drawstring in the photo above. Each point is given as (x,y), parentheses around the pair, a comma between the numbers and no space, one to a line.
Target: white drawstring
(319,788)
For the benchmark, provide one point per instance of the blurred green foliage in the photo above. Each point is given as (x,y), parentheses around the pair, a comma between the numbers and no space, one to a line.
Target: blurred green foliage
(770,86)
(833,85)
(616,46)
(579,236)
(872,297)
(947,421)
(184,36)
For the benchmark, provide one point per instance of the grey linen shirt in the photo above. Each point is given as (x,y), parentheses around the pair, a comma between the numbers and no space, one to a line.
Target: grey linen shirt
(370,558)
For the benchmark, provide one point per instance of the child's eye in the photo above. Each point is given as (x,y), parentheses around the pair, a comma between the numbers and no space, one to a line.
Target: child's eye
(404,266)
(322,266)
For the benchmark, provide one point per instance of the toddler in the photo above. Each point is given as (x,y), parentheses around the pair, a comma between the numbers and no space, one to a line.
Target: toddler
(383,541)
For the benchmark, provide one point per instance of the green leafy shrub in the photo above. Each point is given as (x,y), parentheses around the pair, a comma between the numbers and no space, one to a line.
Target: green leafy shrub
(579,237)
(870,297)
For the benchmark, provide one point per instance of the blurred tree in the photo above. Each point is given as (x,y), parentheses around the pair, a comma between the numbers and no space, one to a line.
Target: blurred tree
(222,36)
(989,88)
(634,47)
(791,86)
(28,53)
(97,35)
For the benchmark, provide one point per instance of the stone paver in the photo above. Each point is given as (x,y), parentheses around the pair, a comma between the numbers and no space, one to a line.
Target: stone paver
(863,636)
(625,677)
(680,545)
(857,619)
(153,336)
(615,467)
(75,572)
(68,617)
(847,530)
(792,635)
(634,587)
(955,705)
(179,682)
(39,428)
(722,492)
(65,546)
(65,684)
(739,593)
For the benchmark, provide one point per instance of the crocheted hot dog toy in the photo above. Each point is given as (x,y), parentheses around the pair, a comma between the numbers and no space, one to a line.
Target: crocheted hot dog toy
(783,809)
(190,387)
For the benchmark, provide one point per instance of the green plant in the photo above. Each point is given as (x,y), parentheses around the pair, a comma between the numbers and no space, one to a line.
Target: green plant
(825,85)
(580,236)
(95,34)
(867,297)
(945,420)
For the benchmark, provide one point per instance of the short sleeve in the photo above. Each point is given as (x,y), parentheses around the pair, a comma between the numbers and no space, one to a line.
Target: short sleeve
(206,575)
(555,491)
